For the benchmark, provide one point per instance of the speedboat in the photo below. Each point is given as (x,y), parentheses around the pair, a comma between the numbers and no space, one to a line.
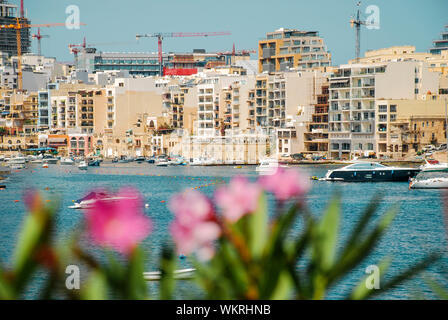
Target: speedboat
(434,165)
(83,165)
(89,200)
(94,163)
(268,166)
(115,160)
(162,163)
(67,162)
(151,160)
(370,172)
(430,180)
(17,163)
(140,159)
(50,159)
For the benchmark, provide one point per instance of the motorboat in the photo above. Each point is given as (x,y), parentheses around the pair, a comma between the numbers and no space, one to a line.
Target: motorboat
(17,163)
(434,165)
(125,160)
(430,180)
(151,160)
(67,162)
(268,166)
(50,159)
(140,159)
(89,200)
(83,165)
(94,163)
(115,160)
(370,172)
(162,163)
(197,162)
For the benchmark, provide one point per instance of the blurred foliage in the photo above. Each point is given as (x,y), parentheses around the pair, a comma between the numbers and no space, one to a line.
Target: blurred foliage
(256,258)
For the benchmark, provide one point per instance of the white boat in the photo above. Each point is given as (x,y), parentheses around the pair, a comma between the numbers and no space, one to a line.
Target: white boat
(83,165)
(268,166)
(430,183)
(434,166)
(89,200)
(67,162)
(17,163)
(162,163)
(430,180)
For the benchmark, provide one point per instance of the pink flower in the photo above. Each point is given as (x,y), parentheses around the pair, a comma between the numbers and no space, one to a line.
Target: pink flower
(119,224)
(286,184)
(194,227)
(240,197)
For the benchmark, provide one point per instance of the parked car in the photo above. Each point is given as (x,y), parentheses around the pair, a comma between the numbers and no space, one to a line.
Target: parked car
(442,147)
(428,147)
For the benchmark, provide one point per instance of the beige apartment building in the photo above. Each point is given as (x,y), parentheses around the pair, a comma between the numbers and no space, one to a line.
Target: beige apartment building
(406,126)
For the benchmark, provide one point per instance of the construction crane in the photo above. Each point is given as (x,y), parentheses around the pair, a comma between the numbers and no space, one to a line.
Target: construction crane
(39,37)
(161,35)
(18,27)
(356,22)
(76,48)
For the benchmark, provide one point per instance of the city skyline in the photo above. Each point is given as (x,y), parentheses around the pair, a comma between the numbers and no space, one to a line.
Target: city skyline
(246,22)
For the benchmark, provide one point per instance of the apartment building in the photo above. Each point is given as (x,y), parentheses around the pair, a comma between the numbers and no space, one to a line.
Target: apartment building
(406,126)
(316,137)
(285,49)
(354,88)
(19,111)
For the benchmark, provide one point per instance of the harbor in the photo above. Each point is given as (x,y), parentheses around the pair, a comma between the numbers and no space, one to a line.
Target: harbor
(411,235)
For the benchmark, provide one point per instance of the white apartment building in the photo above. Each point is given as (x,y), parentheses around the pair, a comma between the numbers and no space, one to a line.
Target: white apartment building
(354,90)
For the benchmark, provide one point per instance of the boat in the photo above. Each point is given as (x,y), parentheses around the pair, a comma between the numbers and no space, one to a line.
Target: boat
(94,163)
(50,159)
(115,160)
(370,172)
(268,166)
(17,163)
(140,159)
(434,165)
(45,166)
(83,165)
(89,200)
(151,160)
(124,159)
(197,162)
(162,163)
(67,162)
(430,180)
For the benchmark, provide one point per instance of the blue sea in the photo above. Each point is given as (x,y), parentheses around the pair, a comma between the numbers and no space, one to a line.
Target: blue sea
(417,230)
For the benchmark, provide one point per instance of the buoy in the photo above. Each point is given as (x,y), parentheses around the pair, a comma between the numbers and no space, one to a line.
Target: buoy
(182,257)
(163,201)
(16,200)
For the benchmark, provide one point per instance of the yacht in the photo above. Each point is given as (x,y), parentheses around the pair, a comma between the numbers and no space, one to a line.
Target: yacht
(90,199)
(197,162)
(67,162)
(17,162)
(268,166)
(370,171)
(140,159)
(434,165)
(162,163)
(83,165)
(94,163)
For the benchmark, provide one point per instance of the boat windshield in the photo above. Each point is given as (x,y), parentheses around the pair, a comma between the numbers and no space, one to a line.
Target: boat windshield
(364,165)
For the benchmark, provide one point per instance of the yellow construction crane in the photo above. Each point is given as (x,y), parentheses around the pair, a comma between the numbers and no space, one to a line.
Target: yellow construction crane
(18,27)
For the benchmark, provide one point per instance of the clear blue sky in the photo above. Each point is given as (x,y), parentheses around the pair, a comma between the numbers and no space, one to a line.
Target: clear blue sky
(402,22)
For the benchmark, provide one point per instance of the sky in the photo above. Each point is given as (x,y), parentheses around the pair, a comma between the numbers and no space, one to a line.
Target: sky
(113,24)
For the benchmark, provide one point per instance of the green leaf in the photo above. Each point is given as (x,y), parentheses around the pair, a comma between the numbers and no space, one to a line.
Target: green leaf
(361,291)
(326,235)
(257,229)
(167,267)
(441,292)
(6,291)
(284,287)
(95,287)
(135,282)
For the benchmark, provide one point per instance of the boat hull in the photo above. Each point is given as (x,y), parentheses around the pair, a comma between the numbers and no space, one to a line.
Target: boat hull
(373,175)
(435,183)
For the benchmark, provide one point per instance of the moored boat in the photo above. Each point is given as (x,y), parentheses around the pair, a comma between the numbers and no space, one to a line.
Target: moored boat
(268,166)
(370,172)
(67,162)
(83,165)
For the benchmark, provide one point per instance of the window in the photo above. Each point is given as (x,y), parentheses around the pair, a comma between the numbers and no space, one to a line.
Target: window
(393,108)
(393,117)
(382,108)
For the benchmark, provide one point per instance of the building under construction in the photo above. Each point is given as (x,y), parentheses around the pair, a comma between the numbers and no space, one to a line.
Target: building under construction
(8,37)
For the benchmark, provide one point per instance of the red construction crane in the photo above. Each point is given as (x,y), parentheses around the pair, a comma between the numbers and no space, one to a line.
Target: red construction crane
(161,35)
(76,48)
(39,37)
(19,26)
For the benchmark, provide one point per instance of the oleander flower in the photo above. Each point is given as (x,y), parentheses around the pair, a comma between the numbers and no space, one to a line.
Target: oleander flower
(286,184)
(119,224)
(238,198)
(194,228)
